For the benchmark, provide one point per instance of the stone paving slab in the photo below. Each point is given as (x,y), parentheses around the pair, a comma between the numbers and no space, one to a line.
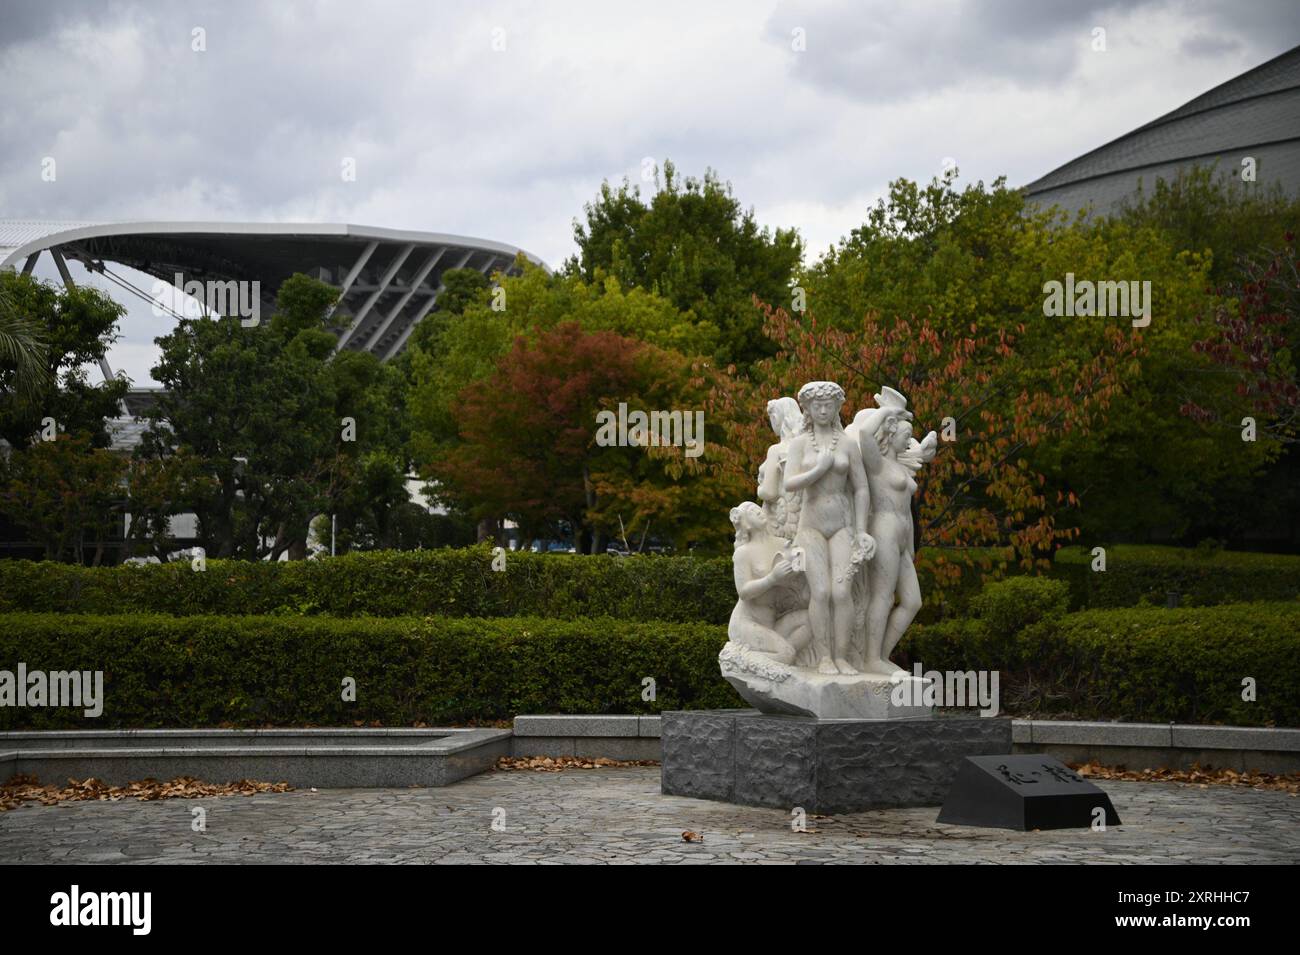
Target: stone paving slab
(619,816)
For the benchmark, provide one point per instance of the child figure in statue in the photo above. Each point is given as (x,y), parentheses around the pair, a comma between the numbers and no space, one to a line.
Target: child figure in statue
(767,618)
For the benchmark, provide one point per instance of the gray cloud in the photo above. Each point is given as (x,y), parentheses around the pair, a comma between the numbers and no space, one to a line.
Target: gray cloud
(451,135)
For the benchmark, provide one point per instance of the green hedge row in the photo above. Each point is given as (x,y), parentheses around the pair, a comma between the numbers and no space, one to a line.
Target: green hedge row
(1140,664)
(1137,664)
(164,671)
(447,582)
(1137,574)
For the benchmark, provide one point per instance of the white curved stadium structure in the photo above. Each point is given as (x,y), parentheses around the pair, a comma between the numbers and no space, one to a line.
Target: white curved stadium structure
(388,279)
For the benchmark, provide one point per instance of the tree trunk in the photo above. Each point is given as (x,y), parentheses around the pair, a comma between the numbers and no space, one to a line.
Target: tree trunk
(487,529)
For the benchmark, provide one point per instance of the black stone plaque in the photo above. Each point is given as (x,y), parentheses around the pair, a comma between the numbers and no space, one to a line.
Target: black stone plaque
(1023,792)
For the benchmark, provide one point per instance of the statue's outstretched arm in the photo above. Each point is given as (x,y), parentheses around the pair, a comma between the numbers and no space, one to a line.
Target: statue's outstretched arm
(868,421)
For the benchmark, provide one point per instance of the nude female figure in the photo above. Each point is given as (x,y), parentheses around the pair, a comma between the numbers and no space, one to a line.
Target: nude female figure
(831,529)
(883,434)
(764,582)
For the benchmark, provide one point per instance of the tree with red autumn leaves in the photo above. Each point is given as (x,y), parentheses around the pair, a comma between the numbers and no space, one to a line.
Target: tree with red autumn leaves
(528,446)
(1252,332)
(980,490)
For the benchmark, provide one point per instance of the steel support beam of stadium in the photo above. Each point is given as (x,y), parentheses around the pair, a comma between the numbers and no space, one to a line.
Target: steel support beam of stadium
(64,274)
(428,306)
(386,280)
(420,276)
(353,272)
(30,263)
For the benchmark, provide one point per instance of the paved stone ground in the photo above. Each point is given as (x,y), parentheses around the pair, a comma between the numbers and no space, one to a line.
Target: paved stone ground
(619,816)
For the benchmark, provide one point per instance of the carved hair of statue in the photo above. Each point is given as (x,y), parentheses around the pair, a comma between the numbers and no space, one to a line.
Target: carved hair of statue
(788,415)
(889,427)
(812,392)
(744,533)
(899,415)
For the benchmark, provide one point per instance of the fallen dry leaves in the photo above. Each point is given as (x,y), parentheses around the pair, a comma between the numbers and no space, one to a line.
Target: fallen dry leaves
(1208,776)
(21,789)
(555,764)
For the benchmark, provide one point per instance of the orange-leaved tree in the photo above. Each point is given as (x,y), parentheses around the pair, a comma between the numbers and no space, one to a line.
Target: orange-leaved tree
(529,450)
(980,491)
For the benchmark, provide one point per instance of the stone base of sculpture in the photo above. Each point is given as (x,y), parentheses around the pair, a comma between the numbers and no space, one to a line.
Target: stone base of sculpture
(820,766)
(774,687)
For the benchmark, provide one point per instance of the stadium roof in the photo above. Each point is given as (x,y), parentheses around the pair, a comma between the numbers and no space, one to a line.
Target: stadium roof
(388,279)
(1256,114)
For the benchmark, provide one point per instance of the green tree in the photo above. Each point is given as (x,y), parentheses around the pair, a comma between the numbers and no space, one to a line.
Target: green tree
(461,288)
(976,262)
(278,420)
(693,244)
(529,448)
(65,493)
(65,329)
(474,341)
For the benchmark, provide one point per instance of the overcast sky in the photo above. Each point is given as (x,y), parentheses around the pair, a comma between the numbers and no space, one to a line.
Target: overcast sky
(500,120)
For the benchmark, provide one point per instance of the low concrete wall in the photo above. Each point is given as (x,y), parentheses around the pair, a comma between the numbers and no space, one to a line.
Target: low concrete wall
(1132,745)
(324,758)
(591,737)
(1162,745)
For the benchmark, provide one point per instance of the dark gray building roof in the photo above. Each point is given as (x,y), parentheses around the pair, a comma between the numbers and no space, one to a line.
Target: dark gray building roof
(1256,114)
(388,279)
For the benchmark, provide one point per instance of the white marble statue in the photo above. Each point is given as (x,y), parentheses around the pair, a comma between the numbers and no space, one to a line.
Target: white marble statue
(824,569)
(787,421)
(768,618)
(891,456)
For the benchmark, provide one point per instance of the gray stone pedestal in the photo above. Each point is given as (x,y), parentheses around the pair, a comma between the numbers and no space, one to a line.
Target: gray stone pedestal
(823,766)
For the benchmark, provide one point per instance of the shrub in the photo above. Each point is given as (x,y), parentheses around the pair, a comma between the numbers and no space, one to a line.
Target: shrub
(1145,664)
(1008,606)
(1201,577)
(162,671)
(446,582)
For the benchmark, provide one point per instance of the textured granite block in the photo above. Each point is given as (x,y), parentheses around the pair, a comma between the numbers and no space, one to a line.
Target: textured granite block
(699,753)
(904,763)
(824,766)
(776,761)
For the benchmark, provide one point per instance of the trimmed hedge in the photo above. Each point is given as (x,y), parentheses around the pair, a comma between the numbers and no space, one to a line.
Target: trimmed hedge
(164,671)
(446,582)
(1138,664)
(1137,574)
(1141,664)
